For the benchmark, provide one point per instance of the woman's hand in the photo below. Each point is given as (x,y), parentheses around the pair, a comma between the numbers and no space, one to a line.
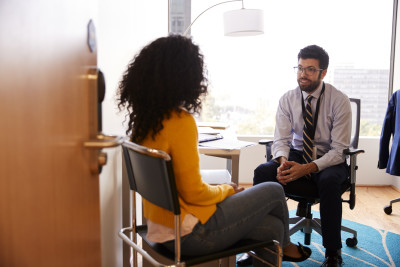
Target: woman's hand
(236,187)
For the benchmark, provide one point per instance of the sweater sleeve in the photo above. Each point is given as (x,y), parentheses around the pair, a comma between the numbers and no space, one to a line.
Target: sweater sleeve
(183,139)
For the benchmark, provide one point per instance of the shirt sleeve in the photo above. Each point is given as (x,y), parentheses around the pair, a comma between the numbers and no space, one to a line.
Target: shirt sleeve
(283,130)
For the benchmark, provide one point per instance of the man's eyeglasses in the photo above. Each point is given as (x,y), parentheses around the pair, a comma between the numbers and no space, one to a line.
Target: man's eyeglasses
(306,71)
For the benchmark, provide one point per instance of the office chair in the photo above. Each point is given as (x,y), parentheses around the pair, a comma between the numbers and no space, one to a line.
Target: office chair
(304,220)
(388,209)
(148,167)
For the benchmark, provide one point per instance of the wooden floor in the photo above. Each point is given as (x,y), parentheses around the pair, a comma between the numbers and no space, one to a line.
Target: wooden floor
(370,202)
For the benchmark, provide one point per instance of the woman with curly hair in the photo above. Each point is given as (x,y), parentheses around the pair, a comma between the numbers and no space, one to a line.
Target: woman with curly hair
(161,89)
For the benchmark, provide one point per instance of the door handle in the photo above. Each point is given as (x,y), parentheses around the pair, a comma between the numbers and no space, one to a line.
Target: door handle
(96,91)
(95,146)
(104,141)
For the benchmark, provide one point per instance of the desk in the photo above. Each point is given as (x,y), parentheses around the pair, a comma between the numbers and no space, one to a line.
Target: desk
(232,157)
(228,148)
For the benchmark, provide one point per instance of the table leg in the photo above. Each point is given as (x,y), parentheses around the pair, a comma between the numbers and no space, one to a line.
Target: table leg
(232,165)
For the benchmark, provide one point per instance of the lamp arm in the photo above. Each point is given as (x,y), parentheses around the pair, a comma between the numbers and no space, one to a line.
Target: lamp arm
(190,26)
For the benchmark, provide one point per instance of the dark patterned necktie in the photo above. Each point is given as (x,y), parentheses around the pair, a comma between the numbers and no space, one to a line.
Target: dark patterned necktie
(308,142)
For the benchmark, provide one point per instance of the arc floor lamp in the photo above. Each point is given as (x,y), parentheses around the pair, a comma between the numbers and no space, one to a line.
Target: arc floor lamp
(239,22)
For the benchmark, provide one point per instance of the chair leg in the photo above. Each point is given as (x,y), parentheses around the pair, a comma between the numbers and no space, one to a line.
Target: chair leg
(298,226)
(388,208)
(349,230)
(307,225)
(316,225)
(294,220)
(351,241)
(277,251)
(394,200)
(228,262)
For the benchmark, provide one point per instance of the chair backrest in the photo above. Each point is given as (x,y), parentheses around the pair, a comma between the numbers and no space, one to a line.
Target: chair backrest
(356,115)
(150,174)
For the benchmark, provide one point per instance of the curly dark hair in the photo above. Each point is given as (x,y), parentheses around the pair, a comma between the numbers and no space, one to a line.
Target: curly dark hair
(168,74)
(315,52)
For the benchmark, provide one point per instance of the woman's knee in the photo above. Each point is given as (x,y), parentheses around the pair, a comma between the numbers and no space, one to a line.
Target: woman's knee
(270,190)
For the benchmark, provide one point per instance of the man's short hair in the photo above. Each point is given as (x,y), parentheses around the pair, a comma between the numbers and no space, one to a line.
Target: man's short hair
(316,52)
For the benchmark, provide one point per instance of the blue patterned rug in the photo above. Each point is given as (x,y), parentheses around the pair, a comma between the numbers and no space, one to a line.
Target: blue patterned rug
(375,247)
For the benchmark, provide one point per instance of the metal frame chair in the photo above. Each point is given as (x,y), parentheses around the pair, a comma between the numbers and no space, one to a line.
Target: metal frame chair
(304,220)
(147,167)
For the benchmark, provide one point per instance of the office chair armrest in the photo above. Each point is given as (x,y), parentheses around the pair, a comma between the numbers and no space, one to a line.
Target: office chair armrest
(265,142)
(268,145)
(352,151)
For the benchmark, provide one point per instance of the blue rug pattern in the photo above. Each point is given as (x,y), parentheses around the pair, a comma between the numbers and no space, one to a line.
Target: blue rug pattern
(375,247)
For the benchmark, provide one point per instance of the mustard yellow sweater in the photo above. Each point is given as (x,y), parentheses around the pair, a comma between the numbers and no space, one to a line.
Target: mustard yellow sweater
(179,138)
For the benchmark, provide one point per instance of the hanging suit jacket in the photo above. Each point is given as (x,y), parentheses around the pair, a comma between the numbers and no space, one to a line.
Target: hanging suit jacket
(391,126)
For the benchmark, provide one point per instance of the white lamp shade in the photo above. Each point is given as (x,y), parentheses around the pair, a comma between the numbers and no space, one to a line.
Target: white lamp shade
(244,22)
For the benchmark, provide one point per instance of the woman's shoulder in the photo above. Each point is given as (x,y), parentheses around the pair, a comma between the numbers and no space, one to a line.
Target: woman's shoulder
(181,116)
(180,128)
(180,120)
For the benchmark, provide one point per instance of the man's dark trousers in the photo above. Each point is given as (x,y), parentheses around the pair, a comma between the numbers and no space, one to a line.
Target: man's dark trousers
(328,185)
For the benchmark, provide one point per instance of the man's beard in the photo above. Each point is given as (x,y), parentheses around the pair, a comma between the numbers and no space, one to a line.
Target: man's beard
(311,87)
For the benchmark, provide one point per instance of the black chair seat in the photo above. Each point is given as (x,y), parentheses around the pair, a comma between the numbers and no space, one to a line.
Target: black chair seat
(310,193)
(242,246)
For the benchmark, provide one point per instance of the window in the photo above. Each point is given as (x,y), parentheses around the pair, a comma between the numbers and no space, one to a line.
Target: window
(249,74)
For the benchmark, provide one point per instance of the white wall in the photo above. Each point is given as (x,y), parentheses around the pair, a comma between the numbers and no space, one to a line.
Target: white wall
(114,50)
(124,27)
(367,174)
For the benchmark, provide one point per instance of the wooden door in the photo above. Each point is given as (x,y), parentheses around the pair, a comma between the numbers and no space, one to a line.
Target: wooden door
(49,197)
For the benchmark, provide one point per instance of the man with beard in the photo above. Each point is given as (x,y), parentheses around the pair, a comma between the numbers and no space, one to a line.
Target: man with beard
(330,130)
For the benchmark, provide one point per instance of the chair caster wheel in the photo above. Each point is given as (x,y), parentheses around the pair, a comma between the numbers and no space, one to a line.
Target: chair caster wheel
(351,241)
(388,209)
